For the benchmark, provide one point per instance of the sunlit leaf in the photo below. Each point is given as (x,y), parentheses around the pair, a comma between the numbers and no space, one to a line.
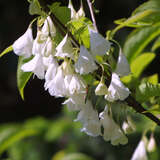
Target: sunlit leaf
(22,77)
(7,50)
(146,91)
(140,63)
(139,39)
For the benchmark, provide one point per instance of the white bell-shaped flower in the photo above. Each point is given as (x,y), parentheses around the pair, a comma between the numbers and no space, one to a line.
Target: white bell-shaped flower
(85,63)
(23,45)
(77,85)
(73,12)
(98,44)
(116,90)
(75,102)
(122,68)
(47,61)
(48,27)
(80,12)
(36,66)
(112,131)
(151,146)
(101,89)
(51,72)
(48,48)
(65,48)
(90,120)
(140,151)
(39,43)
(67,68)
(56,86)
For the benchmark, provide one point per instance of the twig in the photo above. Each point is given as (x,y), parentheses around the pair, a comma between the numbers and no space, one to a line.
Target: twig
(138,107)
(92,14)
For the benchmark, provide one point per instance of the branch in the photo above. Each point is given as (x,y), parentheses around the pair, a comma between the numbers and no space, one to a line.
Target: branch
(92,14)
(138,107)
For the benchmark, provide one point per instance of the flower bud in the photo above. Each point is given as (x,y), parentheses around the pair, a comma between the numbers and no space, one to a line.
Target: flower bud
(101,89)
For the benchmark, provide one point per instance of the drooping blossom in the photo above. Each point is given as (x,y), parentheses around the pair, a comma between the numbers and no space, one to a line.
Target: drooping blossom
(85,63)
(65,48)
(89,119)
(122,68)
(98,44)
(116,90)
(36,66)
(112,131)
(23,45)
(140,151)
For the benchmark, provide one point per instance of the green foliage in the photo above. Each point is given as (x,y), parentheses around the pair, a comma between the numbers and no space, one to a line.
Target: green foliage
(22,77)
(7,50)
(140,63)
(139,39)
(152,5)
(79,29)
(35,8)
(13,134)
(156,44)
(146,91)
(76,156)
(57,10)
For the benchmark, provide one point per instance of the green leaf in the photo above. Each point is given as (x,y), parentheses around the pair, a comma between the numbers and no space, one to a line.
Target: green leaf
(156,44)
(146,91)
(76,156)
(58,128)
(153,79)
(140,63)
(7,50)
(79,29)
(12,135)
(132,20)
(22,77)
(35,8)
(139,39)
(62,13)
(153,5)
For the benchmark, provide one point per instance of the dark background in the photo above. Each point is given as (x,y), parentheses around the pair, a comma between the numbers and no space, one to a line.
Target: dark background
(14,20)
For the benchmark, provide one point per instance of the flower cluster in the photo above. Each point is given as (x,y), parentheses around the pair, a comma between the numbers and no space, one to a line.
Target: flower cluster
(63,69)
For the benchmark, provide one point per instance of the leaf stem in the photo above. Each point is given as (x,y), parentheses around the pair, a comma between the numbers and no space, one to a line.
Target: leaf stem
(92,14)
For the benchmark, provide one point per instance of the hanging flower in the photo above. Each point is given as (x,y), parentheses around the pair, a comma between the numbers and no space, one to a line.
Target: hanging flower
(122,68)
(65,48)
(151,147)
(73,12)
(140,151)
(98,44)
(39,43)
(56,86)
(116,89)
(112,131)
(90,120)
(52,67)
(75,102)
(48,48)
(85,63)
(23,45)
(36,66)
(80,12)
